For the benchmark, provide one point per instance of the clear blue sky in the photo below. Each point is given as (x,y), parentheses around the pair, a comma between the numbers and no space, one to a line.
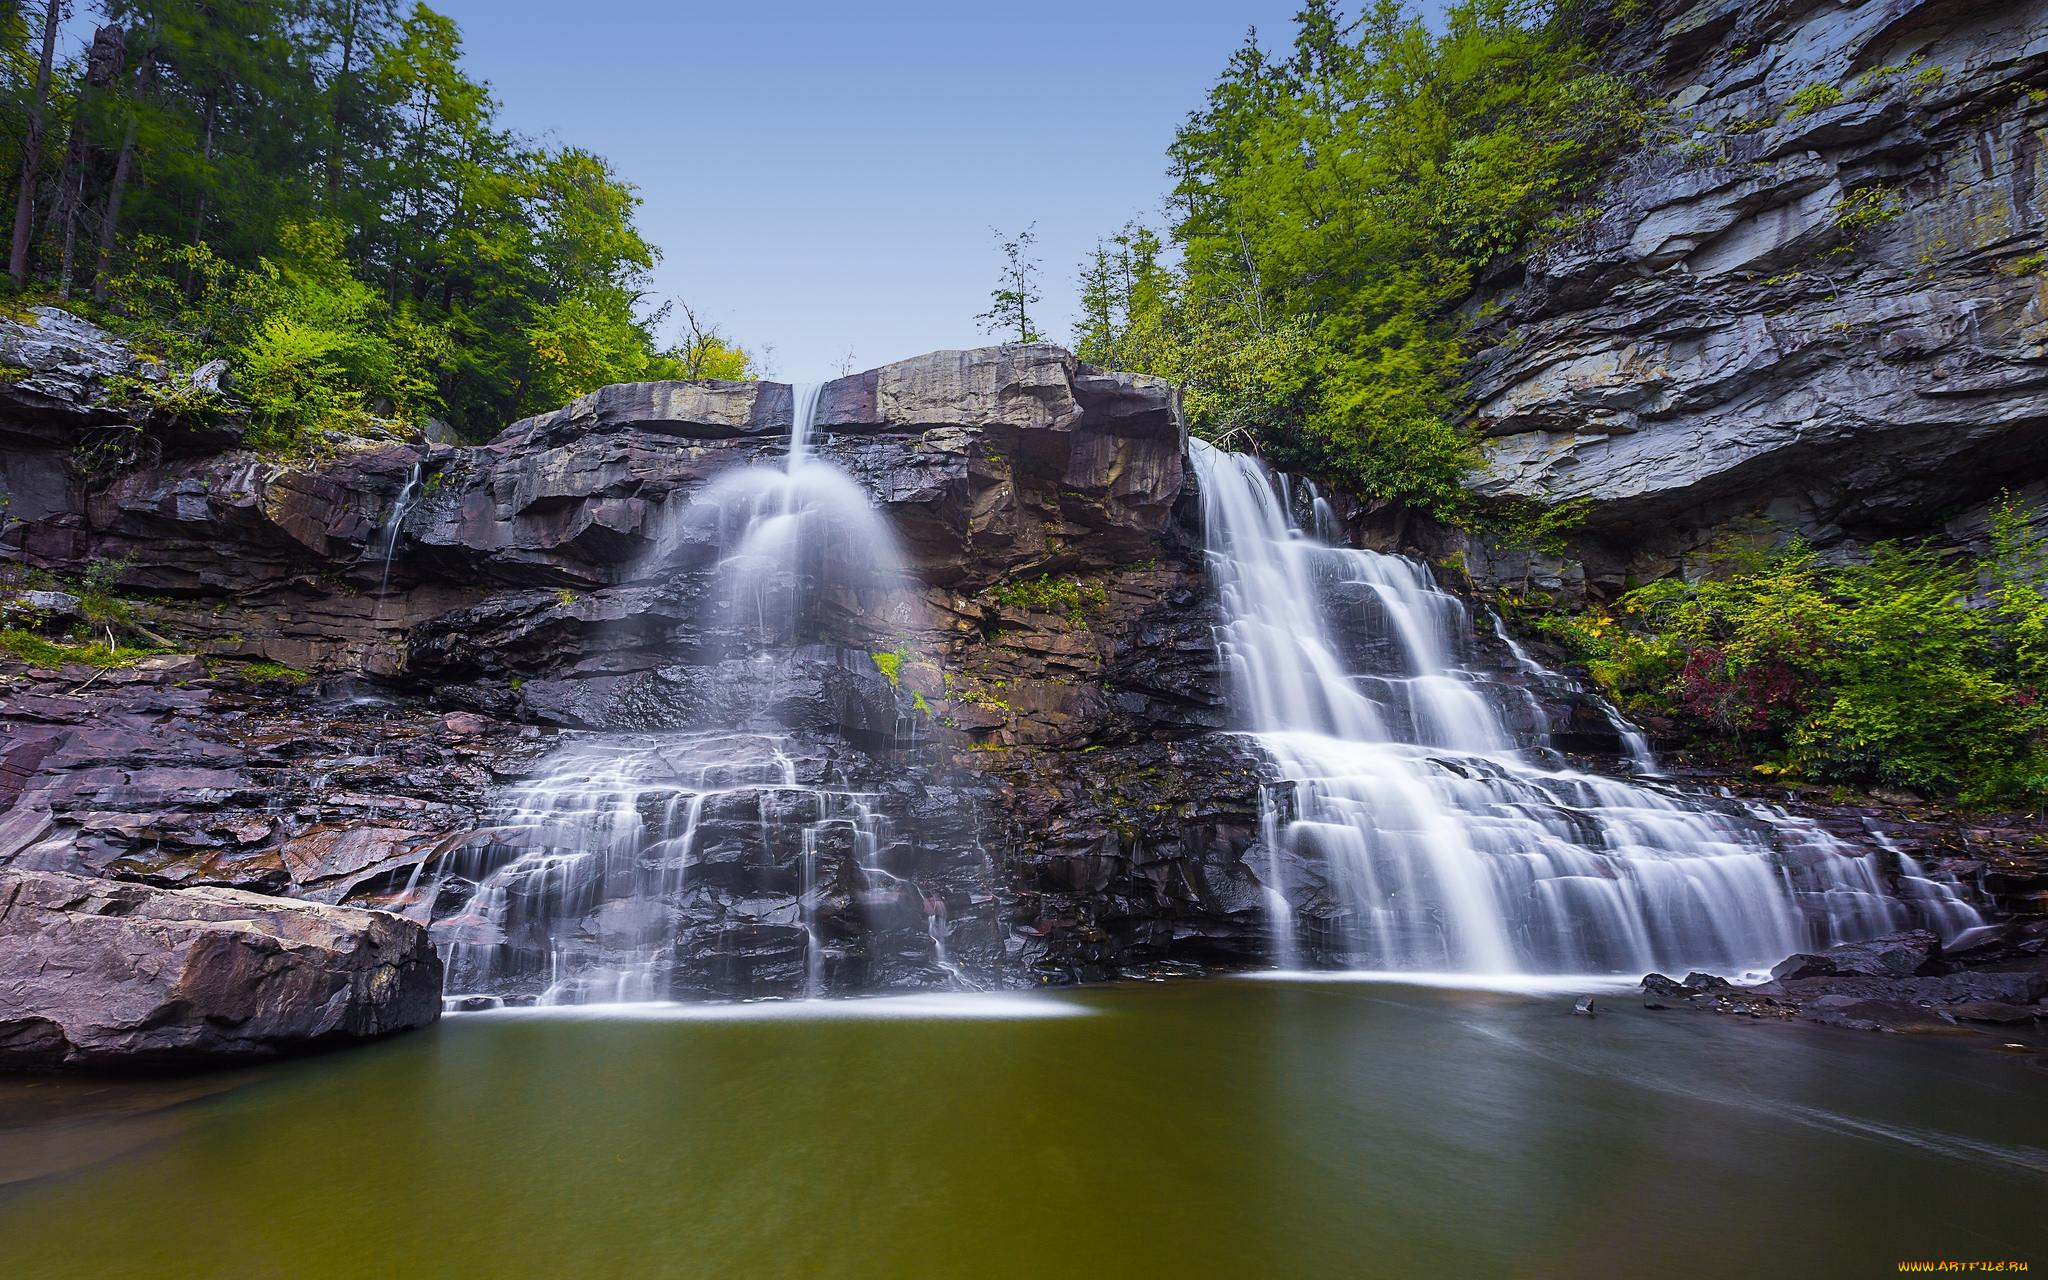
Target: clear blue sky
(822,177)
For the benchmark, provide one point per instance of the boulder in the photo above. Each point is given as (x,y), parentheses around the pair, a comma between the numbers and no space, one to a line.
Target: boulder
(1894,955)
(101,973)
(61,367)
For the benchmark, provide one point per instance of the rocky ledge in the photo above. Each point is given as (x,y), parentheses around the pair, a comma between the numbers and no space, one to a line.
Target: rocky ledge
(103,973)
(1814,304)
(1992,979)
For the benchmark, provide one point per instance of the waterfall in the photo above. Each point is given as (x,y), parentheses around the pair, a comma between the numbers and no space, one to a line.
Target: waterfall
(613,871)
(1428,835)
(394,526)
(385,548)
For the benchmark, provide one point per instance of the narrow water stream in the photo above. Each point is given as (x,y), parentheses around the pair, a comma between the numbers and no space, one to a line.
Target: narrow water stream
(1229,1128)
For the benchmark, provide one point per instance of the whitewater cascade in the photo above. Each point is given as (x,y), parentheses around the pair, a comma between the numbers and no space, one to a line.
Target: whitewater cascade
(585,889)
(1429,835)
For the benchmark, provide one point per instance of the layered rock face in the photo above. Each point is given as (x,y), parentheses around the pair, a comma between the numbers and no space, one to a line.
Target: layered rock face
(537,721)
(1816,304)
(94,972)
(1037,736)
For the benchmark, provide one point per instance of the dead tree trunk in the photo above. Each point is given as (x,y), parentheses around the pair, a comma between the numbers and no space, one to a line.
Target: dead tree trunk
(124,164)
(102,67)
(32,150)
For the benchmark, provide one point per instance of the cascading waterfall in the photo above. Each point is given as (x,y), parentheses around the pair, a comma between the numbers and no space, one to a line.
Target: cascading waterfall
(385,548)
(394,526)
(1428,834)
(587,886)
(610,834)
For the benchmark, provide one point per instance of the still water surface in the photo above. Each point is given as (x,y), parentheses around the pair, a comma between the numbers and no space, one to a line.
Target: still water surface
(1227,1128)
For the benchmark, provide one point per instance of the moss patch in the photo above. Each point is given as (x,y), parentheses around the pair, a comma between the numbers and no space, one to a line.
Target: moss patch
(40,651)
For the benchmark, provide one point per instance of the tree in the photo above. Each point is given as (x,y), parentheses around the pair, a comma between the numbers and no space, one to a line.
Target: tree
(1331,207)
(705,352)
(1125,300)
(319,191)
(1016,290)
(103,63)
(354,31)
(32,149)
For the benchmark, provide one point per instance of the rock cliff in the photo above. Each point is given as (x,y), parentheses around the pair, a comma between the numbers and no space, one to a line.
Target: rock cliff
(1042,726)
(1814,302)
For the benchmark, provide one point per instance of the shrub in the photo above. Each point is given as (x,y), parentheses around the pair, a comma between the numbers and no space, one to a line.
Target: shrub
(1866,209)
(1811,98)
(1910,669)
(1050,594)
(40,651)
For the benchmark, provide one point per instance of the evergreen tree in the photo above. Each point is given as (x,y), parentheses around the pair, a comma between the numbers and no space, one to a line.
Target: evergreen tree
(1016,290)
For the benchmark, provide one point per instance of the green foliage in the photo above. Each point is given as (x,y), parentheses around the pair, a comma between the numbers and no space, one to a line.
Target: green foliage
(1049,593)
(263,672)
(1016,291)
(40,651)
(96,598)
(1909,670)
(891,664)
(1866,209)
(1878,77)
(1332,206)
(1524,525)
(1811,98)
(317,191)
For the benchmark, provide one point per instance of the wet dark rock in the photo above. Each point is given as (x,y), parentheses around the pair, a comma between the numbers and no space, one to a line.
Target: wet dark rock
(1063,802)
(1894,955)
(1900,982)
(100,973)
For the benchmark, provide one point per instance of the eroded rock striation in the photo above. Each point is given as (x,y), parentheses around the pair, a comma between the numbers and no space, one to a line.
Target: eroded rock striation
(1816,303)
(1042,732)
(1799,312)
(99,973)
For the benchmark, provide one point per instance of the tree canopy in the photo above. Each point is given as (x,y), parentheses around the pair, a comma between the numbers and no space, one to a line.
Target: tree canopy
(320,191)
(1333,204)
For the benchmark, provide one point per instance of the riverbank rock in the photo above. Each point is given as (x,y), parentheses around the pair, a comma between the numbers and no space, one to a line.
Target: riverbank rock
(1894,955)
(1901,982)
(99,973)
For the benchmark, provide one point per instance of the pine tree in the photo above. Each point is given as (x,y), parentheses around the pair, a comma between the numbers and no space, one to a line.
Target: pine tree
(1016,290)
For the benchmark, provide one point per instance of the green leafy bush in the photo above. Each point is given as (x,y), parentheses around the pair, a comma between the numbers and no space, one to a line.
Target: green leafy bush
(891,664)
(41,651)
(1811,98)
(1910,669)
(1866,209)
(1048,593)
(264,672)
